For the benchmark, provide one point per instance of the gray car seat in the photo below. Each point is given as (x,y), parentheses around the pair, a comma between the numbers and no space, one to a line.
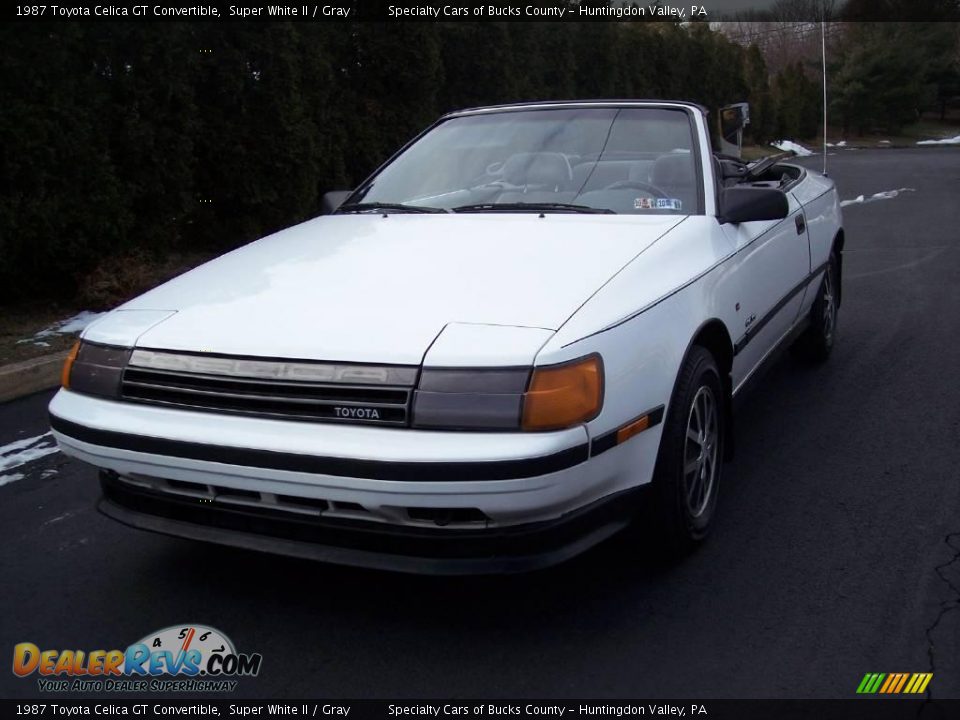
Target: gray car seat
(674,174)
(543,170)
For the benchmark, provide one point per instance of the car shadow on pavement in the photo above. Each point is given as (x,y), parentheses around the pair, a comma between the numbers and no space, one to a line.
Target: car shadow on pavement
(613,566)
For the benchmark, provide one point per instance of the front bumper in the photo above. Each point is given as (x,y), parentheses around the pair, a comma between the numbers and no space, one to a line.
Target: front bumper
(533,492)
(437,551)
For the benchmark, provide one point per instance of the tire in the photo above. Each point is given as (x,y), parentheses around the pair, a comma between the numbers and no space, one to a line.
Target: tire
(686,479)
(818,339)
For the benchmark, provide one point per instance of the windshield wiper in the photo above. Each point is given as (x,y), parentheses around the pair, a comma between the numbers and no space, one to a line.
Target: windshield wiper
(396,207)
(531,207)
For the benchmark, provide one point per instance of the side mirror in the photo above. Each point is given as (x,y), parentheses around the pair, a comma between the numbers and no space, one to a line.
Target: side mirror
(742,203)
(333,200)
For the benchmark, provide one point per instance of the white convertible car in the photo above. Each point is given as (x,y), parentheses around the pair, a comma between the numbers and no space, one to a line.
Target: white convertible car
(524,331)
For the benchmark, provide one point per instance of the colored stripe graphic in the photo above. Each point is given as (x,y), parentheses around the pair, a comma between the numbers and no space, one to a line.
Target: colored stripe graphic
(885,688)
(894,683)
(898,684)
(903,680)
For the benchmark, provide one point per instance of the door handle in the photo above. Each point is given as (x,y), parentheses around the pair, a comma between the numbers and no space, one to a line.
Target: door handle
(801,224)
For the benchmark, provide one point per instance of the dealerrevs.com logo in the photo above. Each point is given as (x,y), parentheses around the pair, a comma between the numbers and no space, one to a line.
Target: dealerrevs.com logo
(179,658)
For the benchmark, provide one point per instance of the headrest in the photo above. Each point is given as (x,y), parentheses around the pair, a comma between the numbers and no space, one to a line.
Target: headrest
(674,169)
(546,168)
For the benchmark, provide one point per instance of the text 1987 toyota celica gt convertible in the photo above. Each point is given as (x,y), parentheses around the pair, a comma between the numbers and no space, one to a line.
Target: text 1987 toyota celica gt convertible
(524,331)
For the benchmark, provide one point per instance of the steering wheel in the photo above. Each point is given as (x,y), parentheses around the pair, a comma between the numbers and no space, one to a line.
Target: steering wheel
(637,185)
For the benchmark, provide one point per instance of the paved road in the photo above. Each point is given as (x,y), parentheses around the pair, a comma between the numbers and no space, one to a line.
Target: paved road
(833,555)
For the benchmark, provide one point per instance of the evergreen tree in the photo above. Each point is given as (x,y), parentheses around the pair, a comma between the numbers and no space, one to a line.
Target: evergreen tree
(761,124)
(123,137)
(882,81)
(62,203)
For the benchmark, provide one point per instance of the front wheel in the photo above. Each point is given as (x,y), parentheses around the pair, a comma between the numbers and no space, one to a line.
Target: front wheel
(686,480)
(818,339)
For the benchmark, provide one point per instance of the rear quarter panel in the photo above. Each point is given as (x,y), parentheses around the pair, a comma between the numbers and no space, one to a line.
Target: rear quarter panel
(821,206)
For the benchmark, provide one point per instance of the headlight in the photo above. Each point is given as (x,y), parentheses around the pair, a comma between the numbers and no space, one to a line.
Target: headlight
(95,369)
(547,398)
(476,399)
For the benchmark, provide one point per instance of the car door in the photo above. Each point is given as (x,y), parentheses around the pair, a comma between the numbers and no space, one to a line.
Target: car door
(772,263)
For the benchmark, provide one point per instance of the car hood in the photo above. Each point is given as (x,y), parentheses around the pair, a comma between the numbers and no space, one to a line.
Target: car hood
(381,288)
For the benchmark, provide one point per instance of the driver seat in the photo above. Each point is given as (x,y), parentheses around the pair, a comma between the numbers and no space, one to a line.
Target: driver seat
(674,174)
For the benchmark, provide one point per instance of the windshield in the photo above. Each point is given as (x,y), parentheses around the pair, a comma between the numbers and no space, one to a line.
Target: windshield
(623,160)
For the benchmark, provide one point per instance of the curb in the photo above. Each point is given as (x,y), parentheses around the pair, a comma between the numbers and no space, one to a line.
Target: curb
(30,376)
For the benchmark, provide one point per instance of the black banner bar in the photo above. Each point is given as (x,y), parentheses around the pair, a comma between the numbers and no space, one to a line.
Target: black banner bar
(873,708)
(503,11)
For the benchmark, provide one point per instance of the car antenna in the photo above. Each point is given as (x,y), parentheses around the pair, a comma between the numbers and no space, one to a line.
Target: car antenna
(823,57)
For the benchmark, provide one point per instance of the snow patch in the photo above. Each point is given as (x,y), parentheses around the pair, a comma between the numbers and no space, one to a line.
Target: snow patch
(842,143)
(885,195)
(7,479)
(20,452)
(791,146)
(58,518)
(20,444)
(942,141)
(71,325)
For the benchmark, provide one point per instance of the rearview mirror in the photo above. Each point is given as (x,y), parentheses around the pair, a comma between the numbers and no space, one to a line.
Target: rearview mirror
(333,200)
(733,118)
(742,203)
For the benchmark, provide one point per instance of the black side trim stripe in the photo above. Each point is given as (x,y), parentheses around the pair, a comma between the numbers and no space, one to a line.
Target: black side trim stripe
(342,467)
(608,440)
(759,324)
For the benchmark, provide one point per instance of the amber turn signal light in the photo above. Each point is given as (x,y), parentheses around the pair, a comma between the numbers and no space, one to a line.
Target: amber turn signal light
(563,395)
(634,428)
(68,365)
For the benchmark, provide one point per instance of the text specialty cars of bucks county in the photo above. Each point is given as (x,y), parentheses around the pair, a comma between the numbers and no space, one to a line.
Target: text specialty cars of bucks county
(525,331)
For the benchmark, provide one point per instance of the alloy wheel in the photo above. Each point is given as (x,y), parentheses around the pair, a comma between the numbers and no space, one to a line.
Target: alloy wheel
(829,306)
(701,449)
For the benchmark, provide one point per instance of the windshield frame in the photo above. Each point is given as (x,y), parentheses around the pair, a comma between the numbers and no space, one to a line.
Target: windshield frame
(547,106)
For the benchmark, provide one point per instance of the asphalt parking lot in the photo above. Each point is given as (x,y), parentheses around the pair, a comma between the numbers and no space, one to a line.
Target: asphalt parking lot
(837,550)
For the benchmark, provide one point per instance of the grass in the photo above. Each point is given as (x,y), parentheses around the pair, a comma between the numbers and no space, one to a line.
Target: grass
(20,323)
(755,152)
(924,129)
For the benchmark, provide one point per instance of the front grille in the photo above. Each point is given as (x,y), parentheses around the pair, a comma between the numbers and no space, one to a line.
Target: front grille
(299,390)
(251,499)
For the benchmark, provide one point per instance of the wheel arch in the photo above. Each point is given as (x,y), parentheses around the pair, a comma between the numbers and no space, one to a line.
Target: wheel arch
(713,336)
